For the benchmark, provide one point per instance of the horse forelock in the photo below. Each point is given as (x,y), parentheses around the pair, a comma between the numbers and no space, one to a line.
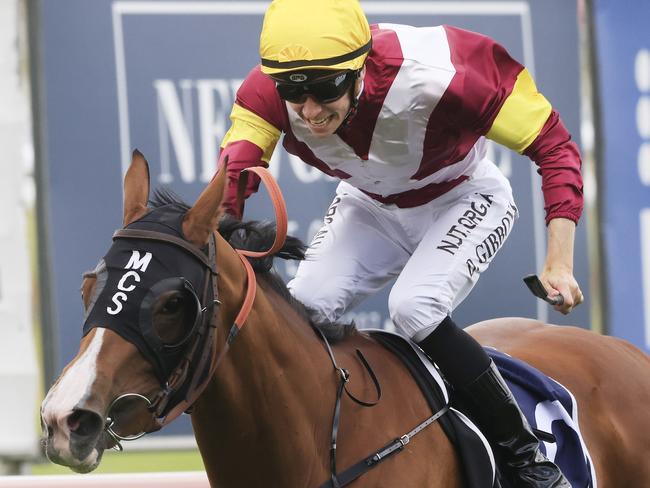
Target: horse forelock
(258,236)
(165,196)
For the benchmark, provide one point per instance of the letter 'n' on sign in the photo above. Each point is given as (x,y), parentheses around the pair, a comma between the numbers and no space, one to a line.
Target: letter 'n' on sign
(171,112)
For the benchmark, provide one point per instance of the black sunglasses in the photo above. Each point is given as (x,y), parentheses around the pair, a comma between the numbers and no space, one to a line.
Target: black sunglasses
(324,91)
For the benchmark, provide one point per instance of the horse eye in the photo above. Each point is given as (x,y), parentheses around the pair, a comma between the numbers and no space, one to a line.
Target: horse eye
(173,305)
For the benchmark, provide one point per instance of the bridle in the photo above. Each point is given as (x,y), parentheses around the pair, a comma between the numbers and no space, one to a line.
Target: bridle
(202,347)
(200,359)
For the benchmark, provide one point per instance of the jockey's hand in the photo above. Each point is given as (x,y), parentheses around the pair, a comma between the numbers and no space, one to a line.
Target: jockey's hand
(560,281)
(557,275)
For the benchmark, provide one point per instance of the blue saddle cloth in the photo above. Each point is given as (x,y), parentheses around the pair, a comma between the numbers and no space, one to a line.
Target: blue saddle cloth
(549,407)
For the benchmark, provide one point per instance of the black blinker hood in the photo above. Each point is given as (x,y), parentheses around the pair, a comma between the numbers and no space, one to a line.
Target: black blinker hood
(139,270)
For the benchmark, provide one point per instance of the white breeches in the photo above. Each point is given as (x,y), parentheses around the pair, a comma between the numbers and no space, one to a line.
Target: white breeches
(437,251)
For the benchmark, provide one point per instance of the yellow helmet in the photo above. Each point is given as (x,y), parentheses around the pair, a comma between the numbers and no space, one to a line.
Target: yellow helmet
(314,34)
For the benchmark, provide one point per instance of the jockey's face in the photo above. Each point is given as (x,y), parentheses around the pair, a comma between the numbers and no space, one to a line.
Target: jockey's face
(323,119)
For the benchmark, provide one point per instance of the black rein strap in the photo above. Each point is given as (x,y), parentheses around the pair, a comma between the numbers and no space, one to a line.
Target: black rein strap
(369,462)
(345,374)
(345,378)
(395,446)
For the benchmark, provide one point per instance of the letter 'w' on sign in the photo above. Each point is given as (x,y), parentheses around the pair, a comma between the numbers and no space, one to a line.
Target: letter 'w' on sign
(138,263)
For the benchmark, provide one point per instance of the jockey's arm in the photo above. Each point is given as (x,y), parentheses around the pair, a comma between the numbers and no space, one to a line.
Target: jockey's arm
(528,124)
(257,116)
(502,99)
(249,142)
(557,275)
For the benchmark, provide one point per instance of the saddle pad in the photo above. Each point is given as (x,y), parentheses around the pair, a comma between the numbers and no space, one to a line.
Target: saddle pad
(552,408)
(473,450)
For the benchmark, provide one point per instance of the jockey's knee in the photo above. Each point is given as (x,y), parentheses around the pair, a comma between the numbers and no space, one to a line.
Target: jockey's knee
(416,316)
(324,303)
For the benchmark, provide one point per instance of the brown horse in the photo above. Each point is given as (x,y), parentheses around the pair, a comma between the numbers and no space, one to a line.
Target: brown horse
(263,417)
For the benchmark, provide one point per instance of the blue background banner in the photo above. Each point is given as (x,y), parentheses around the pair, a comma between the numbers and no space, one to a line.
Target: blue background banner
(161,76)
(623,61)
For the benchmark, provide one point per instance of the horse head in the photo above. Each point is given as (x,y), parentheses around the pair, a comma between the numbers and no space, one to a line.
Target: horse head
(149,328)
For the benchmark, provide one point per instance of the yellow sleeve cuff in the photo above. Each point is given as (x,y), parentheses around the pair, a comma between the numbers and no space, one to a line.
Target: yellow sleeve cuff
(248,126)
(522,115)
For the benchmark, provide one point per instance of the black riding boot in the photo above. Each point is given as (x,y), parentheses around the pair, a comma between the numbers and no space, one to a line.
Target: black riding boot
(498,416)
(480,387)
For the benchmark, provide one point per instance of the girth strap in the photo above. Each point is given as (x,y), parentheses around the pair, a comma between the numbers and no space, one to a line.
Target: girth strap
(369,462)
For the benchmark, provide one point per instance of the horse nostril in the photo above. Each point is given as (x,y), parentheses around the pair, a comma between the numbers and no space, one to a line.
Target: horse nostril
(85,423)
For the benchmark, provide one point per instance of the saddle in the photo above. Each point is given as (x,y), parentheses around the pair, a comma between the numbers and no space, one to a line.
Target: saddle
(474,452)
(549,407)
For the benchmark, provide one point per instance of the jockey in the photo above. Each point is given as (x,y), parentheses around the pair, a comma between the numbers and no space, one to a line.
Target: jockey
(401,115)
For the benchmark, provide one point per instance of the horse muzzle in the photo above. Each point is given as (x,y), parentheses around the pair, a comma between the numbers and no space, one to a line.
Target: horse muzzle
(75,439)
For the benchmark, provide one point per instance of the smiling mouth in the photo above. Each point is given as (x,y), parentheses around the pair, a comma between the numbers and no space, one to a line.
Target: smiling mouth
(319,123)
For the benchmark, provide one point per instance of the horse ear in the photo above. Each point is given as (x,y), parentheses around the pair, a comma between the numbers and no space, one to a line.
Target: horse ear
(201,220)
(136,188)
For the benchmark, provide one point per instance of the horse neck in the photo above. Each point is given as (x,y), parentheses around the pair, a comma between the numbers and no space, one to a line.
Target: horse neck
(269,400)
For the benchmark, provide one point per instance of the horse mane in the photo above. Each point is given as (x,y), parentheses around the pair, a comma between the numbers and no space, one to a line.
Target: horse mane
(258,236)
